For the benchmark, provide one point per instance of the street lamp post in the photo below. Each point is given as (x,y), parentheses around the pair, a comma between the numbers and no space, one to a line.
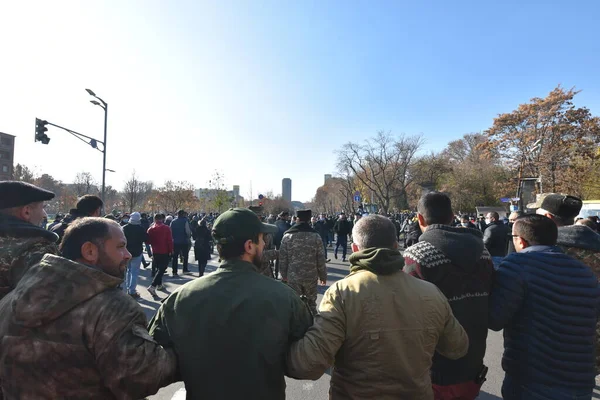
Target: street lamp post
(104,105)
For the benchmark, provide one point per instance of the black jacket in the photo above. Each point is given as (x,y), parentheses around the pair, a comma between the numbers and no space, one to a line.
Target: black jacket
(342,228)
(282,227)
(495,239)
(136,236)
(456,261)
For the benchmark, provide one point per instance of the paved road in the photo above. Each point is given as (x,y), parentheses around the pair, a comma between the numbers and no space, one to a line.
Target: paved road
(307,390)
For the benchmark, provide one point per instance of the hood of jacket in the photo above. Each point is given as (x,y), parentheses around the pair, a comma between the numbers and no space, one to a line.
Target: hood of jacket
(578,236)
(55,286)
(463,246)
(380,261)
(13,227)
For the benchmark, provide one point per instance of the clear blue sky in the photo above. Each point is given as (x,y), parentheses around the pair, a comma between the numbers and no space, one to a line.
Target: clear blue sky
(267,90)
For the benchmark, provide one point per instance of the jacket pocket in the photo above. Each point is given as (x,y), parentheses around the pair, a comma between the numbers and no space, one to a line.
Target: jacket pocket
(35,368)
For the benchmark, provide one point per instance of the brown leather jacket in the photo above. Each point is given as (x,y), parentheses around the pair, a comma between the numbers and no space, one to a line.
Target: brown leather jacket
(67,331)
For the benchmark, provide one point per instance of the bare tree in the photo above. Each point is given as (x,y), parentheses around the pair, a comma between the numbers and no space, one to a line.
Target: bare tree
(381,165)
(85,184)
(23,173)
(135,192)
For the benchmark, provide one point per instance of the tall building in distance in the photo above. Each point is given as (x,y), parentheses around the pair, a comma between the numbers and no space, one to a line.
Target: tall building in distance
(286,189)
(327,177)
(7,155)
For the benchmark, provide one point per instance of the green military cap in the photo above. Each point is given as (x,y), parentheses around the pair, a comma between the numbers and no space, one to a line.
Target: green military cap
(239,224)
(16,194)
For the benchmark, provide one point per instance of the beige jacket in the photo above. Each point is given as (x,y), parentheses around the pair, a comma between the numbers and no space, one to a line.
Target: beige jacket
(381,332)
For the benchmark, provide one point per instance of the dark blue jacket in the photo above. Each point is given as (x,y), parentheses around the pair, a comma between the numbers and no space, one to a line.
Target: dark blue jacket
(181,231)
(547,303)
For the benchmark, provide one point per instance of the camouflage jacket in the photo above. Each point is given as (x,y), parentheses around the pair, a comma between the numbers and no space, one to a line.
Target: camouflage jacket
(269,254)
(301,255)
(582,243)
(21,246)
(68,332)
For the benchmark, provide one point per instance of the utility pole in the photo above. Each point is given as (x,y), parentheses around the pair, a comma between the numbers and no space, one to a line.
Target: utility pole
(103,105)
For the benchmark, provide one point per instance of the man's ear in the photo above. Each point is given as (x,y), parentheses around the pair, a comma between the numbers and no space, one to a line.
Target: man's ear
(421,220)
(354,247)
(89,252)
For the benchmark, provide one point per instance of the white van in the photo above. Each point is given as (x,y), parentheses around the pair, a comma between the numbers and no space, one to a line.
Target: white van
(591,208)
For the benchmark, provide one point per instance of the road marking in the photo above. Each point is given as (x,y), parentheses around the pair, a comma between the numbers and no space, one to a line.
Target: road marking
(179,395)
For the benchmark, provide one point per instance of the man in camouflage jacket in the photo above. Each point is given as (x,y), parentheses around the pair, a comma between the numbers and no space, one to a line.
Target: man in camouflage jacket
(69,332)
(22,242)
(268,256)
(302,259)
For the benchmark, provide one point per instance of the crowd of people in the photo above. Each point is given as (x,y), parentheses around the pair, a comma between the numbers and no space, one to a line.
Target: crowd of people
(401,325)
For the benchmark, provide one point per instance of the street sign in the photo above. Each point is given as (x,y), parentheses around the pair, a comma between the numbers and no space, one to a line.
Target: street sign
(514,208)
(505,200)
(260,197)
(357,193)
(357,198)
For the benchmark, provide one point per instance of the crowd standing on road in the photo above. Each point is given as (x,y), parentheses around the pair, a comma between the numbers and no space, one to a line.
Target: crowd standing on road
(401,325)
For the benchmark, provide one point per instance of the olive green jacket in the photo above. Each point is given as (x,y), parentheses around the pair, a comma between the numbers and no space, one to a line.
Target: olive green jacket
(231,330)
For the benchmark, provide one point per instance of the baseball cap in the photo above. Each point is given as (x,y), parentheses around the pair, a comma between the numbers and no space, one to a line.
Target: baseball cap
(561,205)
(238,224)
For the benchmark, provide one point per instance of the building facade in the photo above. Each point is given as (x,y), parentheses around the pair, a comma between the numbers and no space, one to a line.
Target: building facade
(7,155)
(286,189)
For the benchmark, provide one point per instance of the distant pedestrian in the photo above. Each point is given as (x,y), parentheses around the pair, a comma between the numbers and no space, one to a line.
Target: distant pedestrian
(182,240)
(302,259)
(202,246)
(161,241)
(136,237)
(342,229)
(87,206)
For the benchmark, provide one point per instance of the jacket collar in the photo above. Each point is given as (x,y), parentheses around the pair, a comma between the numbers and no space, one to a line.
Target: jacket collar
(12,226)
(541,249)
(237,265)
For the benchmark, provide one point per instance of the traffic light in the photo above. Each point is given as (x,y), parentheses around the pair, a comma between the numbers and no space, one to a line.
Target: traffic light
(40,131)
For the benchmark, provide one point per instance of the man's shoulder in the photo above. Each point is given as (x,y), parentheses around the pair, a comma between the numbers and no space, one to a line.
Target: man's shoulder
(426,253)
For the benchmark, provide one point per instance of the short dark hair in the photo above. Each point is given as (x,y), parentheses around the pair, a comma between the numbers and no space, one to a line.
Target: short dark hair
(82,230)
(234,249)
(589,223)
(374,231)
(159,217)
(494,215)
(88,204)
(536,230)
(180,213)
(436,208)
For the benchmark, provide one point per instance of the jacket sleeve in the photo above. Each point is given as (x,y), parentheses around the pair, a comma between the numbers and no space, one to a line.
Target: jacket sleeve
(169,239)
(188,230)
(309,357)
(487,235)
(454,341)
(508,292)
(321,262)
(284,258)
(131,363)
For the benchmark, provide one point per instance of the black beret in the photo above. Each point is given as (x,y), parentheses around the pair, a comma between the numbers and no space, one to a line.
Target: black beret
(15,194)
